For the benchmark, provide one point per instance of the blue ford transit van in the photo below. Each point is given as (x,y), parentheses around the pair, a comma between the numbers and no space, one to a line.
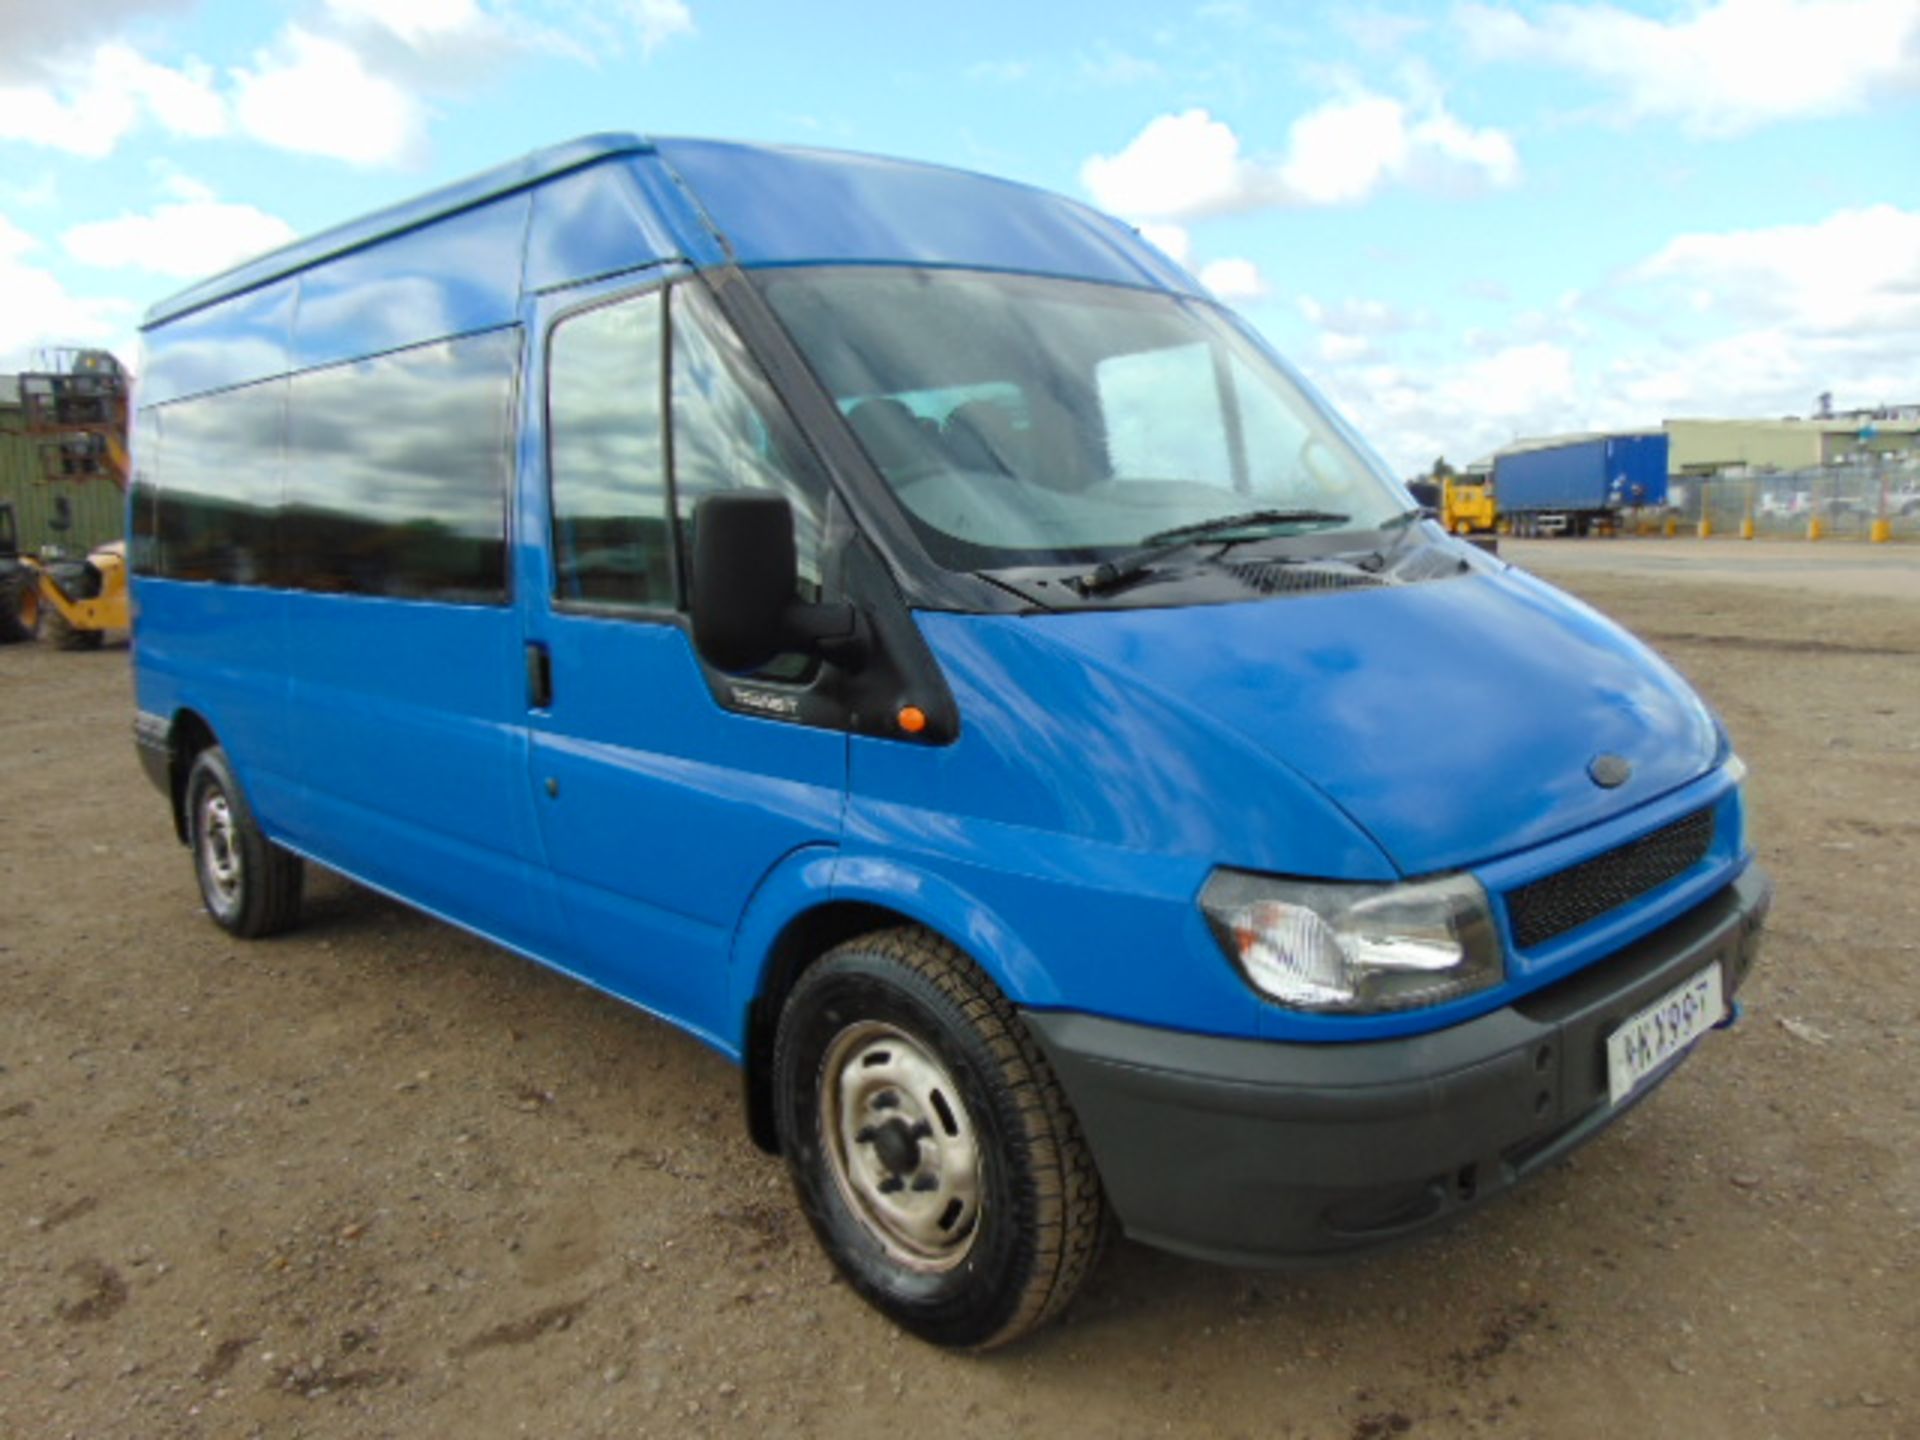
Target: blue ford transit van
(892,624)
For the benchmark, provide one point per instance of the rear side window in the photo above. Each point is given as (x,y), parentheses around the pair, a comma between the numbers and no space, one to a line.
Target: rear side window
(219,488)
(612,534)
(399,473)
(143,492)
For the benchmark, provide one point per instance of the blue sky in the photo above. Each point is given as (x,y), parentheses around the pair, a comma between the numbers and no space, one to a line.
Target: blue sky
(1465,222)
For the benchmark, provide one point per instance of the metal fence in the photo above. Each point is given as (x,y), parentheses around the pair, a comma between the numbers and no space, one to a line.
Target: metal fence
(1845,499)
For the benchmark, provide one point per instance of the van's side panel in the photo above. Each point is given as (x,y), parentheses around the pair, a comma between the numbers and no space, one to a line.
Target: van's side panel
(211,641)
(406,698)
(659,812)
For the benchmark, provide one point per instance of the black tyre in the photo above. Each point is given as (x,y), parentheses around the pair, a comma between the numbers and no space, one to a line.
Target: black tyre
(931,1146)
(19,604)
(66,636)
(250,886)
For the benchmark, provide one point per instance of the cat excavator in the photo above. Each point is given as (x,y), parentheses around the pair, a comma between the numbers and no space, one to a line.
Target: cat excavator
(76,409)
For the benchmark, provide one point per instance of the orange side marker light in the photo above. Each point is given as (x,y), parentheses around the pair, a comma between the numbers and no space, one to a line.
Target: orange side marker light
(911,719)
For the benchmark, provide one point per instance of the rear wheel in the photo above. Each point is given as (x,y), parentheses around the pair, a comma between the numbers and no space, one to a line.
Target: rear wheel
(931,1145)
(250,886)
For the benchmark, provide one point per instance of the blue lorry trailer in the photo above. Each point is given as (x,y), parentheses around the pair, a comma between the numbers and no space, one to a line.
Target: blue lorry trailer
(1581,485)
(892,624)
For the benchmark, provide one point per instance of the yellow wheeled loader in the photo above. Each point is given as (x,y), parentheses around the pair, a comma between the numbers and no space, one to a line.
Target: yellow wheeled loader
(77,410)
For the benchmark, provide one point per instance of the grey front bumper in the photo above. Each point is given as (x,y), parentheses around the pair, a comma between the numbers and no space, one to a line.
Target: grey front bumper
(1256,1152)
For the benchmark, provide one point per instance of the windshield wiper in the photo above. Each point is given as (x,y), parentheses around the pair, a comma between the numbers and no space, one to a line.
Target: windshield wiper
(1110,574)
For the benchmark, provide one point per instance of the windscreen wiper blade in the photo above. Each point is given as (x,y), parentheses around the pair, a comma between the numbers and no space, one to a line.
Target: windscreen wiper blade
(1110,574)
(1246,520)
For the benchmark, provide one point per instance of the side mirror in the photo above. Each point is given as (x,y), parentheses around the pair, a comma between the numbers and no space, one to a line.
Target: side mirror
(741,591)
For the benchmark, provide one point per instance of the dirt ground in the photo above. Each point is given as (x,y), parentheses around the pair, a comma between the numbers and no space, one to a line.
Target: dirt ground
(377,1178)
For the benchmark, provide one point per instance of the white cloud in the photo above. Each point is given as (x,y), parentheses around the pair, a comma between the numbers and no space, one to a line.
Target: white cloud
(658,21)
(1856,272)
(1377,31)
(1108,66)
(40,311)
(315,95)
(1191,164)
(34,37)
(184,239)
(1340,348)
(1734,323)
(413,21)
(1793,310)
(1464,409)
(1229,278)
(344,84)
(1719,68)
(1173,241)
(1234,279)
(1355,316)
(1185,164)
(86,106)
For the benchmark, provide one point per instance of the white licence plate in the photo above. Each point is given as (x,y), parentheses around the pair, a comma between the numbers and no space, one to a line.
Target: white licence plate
(1663,1030)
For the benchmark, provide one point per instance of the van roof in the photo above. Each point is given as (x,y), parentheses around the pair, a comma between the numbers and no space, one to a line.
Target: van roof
(407,215)
(771,205)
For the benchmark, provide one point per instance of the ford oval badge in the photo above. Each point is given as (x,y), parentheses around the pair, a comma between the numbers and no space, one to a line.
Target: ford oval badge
(1610,772)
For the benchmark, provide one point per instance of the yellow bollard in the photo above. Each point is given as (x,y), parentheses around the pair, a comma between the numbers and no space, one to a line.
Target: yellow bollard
(1815,529)
(1673,525)
(1706,528)
(1746,528)
(1881,531)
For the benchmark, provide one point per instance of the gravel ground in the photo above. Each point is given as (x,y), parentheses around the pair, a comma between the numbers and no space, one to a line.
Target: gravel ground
(377,1178)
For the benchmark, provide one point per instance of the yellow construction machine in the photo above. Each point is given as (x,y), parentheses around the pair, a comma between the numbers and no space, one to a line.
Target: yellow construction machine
(76,409)
(1466,503)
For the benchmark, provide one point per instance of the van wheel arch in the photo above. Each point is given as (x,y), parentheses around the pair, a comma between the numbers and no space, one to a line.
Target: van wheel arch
(188,735)
(808,937)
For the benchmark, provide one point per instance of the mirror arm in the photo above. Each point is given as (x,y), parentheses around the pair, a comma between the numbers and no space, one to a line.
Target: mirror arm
(837,633)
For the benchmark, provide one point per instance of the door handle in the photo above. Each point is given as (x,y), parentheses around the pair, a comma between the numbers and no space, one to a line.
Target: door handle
(539,676)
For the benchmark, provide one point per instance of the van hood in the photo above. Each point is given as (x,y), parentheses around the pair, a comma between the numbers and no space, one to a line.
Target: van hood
(1454,721)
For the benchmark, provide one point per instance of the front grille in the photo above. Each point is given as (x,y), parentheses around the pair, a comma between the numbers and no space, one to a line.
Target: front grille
(1586,891)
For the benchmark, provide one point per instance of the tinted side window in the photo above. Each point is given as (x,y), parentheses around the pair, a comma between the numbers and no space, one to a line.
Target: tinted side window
(729,429)
(399,472)
(143,493)
(612,541)
(218,484)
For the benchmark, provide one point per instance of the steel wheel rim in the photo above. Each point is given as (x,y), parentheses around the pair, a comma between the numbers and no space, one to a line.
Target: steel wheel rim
(219,852)
(901,1145)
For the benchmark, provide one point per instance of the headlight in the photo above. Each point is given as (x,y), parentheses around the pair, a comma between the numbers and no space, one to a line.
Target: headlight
(1356,948)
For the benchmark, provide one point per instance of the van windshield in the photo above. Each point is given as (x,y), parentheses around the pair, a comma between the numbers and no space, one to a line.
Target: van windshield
(1024,421)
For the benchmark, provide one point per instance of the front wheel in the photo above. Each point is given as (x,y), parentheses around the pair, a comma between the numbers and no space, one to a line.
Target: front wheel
(930,1144)
(19,604)
(250,885)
